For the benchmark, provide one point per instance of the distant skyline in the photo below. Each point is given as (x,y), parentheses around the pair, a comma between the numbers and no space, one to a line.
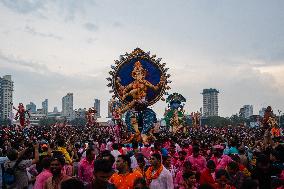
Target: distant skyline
(52,48)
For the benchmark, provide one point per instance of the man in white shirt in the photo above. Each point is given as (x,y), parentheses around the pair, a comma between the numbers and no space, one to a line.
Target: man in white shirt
(115,151)
(157,175)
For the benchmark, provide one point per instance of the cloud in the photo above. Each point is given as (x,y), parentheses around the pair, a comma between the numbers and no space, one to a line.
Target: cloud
(68,9)
(20,62)
(117,24)
(23,6)
(91,40)
(72,8)
(91,27)
(32,31)
(34,81)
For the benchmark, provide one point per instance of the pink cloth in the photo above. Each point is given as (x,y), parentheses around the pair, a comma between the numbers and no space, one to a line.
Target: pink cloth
(198,163)
(85,170)
(179,180)
(188,150)
(146,151)
(179,165)
(103,147)
(222,162)
(282,175)
(41,178)
(167,145)
(68,170)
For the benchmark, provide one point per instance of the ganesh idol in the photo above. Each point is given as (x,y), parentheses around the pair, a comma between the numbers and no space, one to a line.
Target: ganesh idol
(137,90)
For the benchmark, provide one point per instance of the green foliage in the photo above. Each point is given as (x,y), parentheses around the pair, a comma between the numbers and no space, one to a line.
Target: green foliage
(47,121)
(238,120)
(79,122)
(217,121)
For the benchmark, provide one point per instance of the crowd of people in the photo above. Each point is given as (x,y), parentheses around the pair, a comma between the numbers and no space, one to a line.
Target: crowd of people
(60,157)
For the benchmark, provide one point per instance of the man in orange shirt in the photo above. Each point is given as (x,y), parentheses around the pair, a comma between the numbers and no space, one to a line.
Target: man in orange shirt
(125,177)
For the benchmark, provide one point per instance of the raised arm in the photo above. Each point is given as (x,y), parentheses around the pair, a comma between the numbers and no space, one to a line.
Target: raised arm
(36,159)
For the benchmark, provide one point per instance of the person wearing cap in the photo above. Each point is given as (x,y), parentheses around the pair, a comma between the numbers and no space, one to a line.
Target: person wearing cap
(221,160)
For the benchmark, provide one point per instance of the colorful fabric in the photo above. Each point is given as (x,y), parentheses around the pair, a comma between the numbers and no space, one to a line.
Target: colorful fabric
(178,181)
(221,163)
(55,184)
(85,170)
(125,181)
(150,175)
(65,153)
(206,177)
(198,163)
(42,178)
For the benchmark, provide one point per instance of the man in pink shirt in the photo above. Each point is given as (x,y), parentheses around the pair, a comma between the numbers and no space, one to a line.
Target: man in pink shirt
(178,180)
(181,158)
(221,161)
(197,161)
(86,167)
(44,175)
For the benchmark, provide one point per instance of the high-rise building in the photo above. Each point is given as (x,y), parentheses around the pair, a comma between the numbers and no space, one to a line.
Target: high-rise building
(55,114)
(67,106)
(31,107)
(55,110)
(97,106)
(45,106)
(80,113)
(39,111)
(112,104)
(6,96)
(210,102)
(246,111)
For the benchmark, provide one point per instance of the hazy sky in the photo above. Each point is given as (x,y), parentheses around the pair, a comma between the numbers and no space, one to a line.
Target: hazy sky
(52,47)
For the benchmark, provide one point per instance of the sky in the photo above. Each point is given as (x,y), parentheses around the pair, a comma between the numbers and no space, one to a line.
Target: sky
(52,47)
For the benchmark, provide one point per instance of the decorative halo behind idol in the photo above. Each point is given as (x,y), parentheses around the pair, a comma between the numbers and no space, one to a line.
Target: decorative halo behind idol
(138,80)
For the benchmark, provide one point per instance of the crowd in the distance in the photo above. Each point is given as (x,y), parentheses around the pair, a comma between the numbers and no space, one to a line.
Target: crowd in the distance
(93,158)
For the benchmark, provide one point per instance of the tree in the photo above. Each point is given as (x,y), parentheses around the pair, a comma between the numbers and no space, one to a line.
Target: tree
(47,121)
(217,121)
(79,122)
(238,120)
